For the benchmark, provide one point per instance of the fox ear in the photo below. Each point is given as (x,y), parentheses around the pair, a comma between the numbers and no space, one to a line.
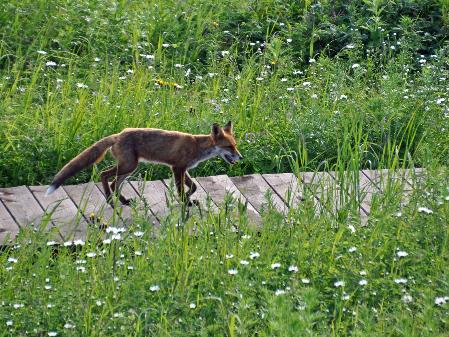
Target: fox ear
(228,127)
(216,130)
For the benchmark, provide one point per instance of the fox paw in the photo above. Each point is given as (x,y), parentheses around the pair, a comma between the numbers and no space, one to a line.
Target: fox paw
(193,203)
(126,202)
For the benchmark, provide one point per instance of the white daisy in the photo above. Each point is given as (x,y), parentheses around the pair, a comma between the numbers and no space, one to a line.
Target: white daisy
(293,269)
(275,265)
(155,288)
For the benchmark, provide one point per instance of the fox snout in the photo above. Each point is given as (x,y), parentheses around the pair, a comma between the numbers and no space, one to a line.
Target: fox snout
(231,157)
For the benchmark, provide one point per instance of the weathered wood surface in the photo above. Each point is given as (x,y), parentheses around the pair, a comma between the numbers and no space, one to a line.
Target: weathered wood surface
(23,206)
(70,210)
(218,187)
(92,203)
(8,226)
(201,196)
(286,186)
(64,213)
(256,190)
(155,194)
(125,212)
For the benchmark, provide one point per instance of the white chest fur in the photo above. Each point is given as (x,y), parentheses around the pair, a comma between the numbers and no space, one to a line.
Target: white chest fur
(204,155)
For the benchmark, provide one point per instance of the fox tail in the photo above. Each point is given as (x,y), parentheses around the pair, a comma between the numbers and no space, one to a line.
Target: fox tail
(85,159)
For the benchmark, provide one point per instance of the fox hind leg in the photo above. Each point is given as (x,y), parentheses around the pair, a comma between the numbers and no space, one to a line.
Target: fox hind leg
(116,185)
(121,169)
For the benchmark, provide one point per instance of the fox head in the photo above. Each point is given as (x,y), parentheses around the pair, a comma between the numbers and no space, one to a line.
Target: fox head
(225,143)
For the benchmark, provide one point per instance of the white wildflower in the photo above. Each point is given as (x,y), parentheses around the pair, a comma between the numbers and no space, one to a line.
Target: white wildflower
(42,52)
(363,282)
(275,265)
(192,305)
(400,280)
(116,237)
(50,64)
(293,268)
(441,300)
(407,298)
(155,288)
(401,253)
(254,255)
(339,284)
(425,210)
(138,234)
(244,262)
(232,271)
(305,280)
(352,249)
(91,254)
(12,260)
(279,292)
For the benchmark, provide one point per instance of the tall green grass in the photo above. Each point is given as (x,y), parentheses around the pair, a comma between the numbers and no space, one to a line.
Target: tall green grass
(308,272)
(239,61)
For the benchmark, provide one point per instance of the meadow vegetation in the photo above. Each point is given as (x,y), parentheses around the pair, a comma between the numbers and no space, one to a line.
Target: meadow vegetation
(289,75)
(309,85)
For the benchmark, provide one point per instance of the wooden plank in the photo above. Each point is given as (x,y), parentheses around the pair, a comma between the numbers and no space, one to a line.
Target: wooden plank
(219,186)
(64,213)
(367,190)
(255,189)
(125,211)
(92,203)
(326,189)
(155,195)
(286,186)
(24,208)
(384,179)
(200,195)
(416,177)
(8,226)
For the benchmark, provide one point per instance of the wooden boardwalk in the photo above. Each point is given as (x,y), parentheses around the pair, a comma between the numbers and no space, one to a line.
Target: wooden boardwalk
(71,209)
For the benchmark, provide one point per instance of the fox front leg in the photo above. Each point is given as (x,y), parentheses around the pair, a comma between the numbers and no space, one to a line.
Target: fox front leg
(179,175)
(192,188)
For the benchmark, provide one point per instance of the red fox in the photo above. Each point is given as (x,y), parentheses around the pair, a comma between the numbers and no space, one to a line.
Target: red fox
(180,151)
